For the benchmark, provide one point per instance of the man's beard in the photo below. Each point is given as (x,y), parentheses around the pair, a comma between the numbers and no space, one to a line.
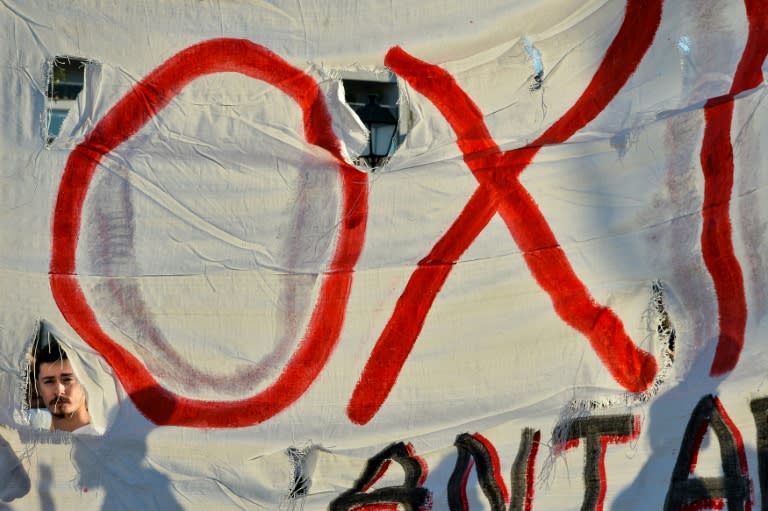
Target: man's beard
(52,407)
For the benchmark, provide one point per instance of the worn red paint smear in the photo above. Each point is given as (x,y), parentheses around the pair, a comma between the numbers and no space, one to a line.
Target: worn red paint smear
(739,444)
(125,119)
(383,506)
(495,465)
(530,472)
(604,441)
(464,480)
(421,461)
(377,507)
(500,191)
(739,441)
(698,439)
(717,166)
(708,504)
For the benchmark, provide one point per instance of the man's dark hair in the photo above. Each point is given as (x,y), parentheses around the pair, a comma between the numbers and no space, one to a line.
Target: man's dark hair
(50,352)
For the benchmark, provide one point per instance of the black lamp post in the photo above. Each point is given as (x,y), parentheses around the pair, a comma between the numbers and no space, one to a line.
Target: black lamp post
(382,126)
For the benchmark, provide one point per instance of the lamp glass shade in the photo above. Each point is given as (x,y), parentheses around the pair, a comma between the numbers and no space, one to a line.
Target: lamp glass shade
(382,136)
(382,126)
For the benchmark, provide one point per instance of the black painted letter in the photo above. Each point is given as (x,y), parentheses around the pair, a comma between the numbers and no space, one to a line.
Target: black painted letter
(522,471)
(686,492)
(476,450)
(410,494)
(599,432)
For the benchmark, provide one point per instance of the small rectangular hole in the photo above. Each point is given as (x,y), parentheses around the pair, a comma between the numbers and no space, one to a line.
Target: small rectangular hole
(66,80)
(377,105)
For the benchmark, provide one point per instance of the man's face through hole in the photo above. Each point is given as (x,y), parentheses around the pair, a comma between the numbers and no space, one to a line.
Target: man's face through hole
(60,389)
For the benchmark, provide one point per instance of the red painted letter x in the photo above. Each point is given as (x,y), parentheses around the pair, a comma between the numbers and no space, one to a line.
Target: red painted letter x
(500,191)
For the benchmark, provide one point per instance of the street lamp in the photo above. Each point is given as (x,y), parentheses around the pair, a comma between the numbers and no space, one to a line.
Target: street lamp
(382,126)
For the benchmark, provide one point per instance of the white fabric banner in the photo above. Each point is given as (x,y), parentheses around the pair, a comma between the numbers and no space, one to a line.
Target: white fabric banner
(550,296)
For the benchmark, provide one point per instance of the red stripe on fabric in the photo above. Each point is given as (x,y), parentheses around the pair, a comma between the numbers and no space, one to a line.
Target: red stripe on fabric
(530,472)
(601,472)
(718,168)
